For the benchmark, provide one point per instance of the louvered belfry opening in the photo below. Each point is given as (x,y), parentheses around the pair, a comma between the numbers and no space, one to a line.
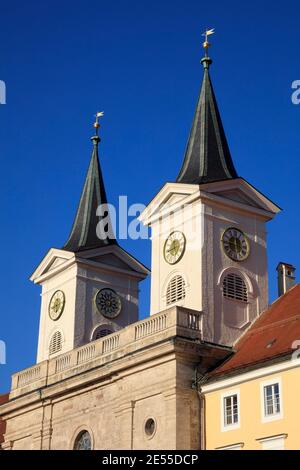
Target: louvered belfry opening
(234,287)
(175,289)
(55,343)
(102,332)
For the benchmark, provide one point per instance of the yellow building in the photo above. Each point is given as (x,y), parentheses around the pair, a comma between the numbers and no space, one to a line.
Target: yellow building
(252,400)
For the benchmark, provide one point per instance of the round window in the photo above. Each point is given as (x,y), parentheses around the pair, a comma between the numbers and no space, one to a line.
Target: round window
(83,441)
(150,427)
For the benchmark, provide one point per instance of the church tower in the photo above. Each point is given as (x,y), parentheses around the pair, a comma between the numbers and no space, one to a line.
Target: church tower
(209,249)
(90,286)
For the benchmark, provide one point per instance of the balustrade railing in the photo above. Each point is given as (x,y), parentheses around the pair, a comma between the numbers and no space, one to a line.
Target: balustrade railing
(151,326)
(110,343)
(172,321)
(62,363)
(86,353)
(28,376)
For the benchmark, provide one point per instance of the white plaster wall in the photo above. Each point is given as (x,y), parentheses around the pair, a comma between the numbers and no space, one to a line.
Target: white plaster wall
(222,313)
(189,222)
(87,315)
(80,316)
(203,263)
(66,281)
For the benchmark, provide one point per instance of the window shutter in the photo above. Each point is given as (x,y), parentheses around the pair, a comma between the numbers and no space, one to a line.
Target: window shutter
(234,287)
(175,290)
(55,343)
(101,332)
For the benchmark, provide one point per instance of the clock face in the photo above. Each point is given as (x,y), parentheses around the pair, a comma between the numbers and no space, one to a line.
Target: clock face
(108,303)
(235,244)
(174,247)
(57,305)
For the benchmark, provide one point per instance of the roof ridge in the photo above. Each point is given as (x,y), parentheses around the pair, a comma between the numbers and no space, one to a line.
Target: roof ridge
(277,323)
(232,371)
(252,325)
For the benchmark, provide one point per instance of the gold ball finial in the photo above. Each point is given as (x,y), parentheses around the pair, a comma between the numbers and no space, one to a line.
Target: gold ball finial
(206,43)
(97,123)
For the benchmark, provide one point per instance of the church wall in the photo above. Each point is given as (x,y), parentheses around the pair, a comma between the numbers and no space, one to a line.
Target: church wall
(204,265)
(65,281)
(23,429)
(89,282)
(115,413)
(187,221)
(115,409)
(227,318)
(80,286)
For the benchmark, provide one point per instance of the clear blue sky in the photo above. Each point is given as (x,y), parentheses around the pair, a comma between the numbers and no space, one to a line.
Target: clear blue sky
(139,61)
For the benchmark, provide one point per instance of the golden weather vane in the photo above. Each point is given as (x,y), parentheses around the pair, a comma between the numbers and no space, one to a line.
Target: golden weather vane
(97,123)
(206,43)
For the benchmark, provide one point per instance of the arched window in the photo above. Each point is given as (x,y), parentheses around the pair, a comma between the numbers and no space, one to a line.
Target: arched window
(55,343)
(175,289)
(234,287)
(83,441)
(100,332)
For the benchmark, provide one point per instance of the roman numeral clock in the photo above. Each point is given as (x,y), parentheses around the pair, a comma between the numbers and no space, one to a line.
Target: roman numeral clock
(235,244)
(174,247)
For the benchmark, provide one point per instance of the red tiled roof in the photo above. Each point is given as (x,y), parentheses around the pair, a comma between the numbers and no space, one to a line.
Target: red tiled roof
(3,399)
(270,336)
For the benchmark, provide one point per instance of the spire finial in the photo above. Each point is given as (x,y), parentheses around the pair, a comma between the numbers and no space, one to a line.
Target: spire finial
(98,115)
(206,61)
(84,233)
(207,157)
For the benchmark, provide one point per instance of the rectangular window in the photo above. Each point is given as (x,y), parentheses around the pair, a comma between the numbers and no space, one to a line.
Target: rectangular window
(271,399)
(231,414)
(238,446)
(273,442)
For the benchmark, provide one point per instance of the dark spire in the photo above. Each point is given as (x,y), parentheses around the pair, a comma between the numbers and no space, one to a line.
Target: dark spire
(207,156)
(83,235)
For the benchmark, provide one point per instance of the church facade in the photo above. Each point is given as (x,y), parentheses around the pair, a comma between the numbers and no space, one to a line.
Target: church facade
(105,380)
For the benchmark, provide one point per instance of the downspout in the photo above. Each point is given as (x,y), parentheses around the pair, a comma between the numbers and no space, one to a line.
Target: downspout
(43,419)
(199,379)
(44,405)
(201,397)
(132,424)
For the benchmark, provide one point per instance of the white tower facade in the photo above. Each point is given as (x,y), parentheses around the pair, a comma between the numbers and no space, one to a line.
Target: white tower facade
(90,287)
(209,249)
(208,277)
(80,279)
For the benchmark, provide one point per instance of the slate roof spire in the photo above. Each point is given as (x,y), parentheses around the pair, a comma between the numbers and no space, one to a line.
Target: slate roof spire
(83,234)
(207,157)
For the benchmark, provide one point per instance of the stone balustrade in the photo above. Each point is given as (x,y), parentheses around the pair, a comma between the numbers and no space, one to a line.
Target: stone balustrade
(176,321)
(28,376)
